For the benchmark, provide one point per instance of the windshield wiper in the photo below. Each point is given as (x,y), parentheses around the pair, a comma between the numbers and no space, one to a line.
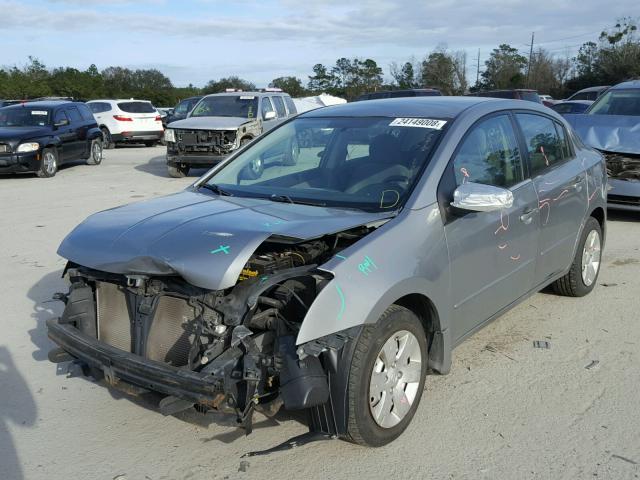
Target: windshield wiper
(288,199)
(216,189)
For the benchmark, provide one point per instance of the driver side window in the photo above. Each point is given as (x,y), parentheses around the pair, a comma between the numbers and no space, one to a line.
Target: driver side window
(489,154)
(266,107)
(59,117)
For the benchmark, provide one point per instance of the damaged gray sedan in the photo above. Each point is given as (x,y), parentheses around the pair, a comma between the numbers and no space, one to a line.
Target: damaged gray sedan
(335,283)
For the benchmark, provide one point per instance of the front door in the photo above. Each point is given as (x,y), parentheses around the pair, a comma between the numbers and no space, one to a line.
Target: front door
(66,134)
(492,254)
(560,182)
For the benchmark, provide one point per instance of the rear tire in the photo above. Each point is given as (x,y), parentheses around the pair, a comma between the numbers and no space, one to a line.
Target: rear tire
(583,274)
(107,141)
(48,164)
(95,152)
(381,405)
(177,171)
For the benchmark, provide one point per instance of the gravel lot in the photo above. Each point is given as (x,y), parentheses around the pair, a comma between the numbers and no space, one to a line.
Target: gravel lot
(506,411)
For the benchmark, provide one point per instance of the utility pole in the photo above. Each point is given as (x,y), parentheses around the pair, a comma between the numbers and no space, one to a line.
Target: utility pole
(478,70)
(530,56)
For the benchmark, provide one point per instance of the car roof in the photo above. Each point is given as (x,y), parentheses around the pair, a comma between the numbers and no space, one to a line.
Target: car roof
(593,89)
(438,107)
(629,84)
(248,93)
(118,100)
(583,102)
(42,104)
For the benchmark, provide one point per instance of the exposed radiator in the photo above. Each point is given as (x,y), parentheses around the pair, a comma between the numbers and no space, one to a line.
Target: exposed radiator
(169,335)
(114,326)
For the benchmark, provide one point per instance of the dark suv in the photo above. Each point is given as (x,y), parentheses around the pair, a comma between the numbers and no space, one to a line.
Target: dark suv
(39,136)
(411,92)
(516,94)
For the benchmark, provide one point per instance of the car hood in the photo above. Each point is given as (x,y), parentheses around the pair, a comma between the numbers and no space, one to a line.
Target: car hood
(211,123)
(204,238)
(612,133)
(21,133)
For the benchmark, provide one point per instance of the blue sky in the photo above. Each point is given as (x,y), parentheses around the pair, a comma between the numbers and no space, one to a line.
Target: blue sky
(198,40)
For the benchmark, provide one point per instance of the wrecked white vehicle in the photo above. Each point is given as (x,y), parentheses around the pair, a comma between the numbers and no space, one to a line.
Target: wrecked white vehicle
(334,283)
(612,126)
(221,123)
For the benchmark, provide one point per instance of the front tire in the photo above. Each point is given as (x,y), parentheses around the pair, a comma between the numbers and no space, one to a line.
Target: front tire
(177,171)
(150,144)
(95,152)
(48,164)
(583,274)
(386,378)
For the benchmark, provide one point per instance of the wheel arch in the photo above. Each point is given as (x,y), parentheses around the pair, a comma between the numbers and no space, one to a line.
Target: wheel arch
(600,215)
(426,311)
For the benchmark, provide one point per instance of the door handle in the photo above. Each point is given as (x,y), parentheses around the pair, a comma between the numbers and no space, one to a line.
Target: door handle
(527,215)
(577,185)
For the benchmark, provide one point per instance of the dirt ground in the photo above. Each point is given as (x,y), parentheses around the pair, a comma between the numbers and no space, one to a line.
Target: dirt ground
(506,411)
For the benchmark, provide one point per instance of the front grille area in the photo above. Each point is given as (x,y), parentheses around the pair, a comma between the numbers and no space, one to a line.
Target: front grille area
(624,200)
(4,148)
(114,325)
(168,339)
(622,165)
(205,141)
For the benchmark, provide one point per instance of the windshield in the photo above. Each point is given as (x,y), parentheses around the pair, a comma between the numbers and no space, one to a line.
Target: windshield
(617,102)
(244,106)
(369,163)
(24,117)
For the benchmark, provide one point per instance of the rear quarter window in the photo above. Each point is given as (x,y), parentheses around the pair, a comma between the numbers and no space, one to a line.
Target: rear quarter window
(279,104)
(290,106)
(136,107)
(85,112)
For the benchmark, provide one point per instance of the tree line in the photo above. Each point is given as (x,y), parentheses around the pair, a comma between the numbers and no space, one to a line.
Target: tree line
(612,58)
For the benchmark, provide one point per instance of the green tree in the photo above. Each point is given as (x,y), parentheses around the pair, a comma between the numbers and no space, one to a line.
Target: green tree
(504,69)
(217,86)
(321,80)
(291,85)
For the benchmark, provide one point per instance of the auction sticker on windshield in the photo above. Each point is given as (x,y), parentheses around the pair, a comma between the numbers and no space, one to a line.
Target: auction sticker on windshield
(418,122)
(39,112)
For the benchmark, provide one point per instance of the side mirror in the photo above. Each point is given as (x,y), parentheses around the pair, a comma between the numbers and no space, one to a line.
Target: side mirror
(61,123)
(269,115)
(477,197)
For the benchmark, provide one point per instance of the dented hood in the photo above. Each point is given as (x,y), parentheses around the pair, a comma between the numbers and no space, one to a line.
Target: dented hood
(212,123)
(612,133)
(204,238)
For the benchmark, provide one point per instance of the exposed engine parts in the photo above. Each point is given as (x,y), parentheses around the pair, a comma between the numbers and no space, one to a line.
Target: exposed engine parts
(242,339)
(623,166)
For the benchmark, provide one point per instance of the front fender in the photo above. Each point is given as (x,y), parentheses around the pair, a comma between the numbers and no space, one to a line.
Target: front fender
(407,255)
(94,133)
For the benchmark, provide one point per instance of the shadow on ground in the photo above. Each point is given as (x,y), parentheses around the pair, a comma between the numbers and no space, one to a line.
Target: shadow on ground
(17,406)
(158,166)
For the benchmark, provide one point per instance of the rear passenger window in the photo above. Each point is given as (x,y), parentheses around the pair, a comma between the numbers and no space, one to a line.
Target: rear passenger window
(489,154)
(85,112)
(279,104)
(74,115)
(545,146)
(290,106)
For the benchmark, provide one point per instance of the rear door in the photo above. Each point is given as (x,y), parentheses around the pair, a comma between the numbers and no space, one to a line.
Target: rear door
(79,129)
(66,135)
(560,183)
(492,254)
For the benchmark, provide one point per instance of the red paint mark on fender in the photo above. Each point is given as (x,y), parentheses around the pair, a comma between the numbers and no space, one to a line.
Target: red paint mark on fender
(503,246)
(517,257)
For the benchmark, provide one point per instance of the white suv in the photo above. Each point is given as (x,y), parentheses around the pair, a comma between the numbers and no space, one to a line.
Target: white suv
(133,121)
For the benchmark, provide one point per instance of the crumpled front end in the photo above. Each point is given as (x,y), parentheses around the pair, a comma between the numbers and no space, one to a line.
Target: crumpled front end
(230,351)
(201,146)
(623,170)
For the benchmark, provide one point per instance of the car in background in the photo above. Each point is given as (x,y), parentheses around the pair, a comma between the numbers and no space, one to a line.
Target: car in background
(6,103)
(222,123)
(547,100)
(127,121)
(182,109)
(612,126)
(571,106)
(40,136)
(335,284)
(516,94)
(411,92)
(591,93)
